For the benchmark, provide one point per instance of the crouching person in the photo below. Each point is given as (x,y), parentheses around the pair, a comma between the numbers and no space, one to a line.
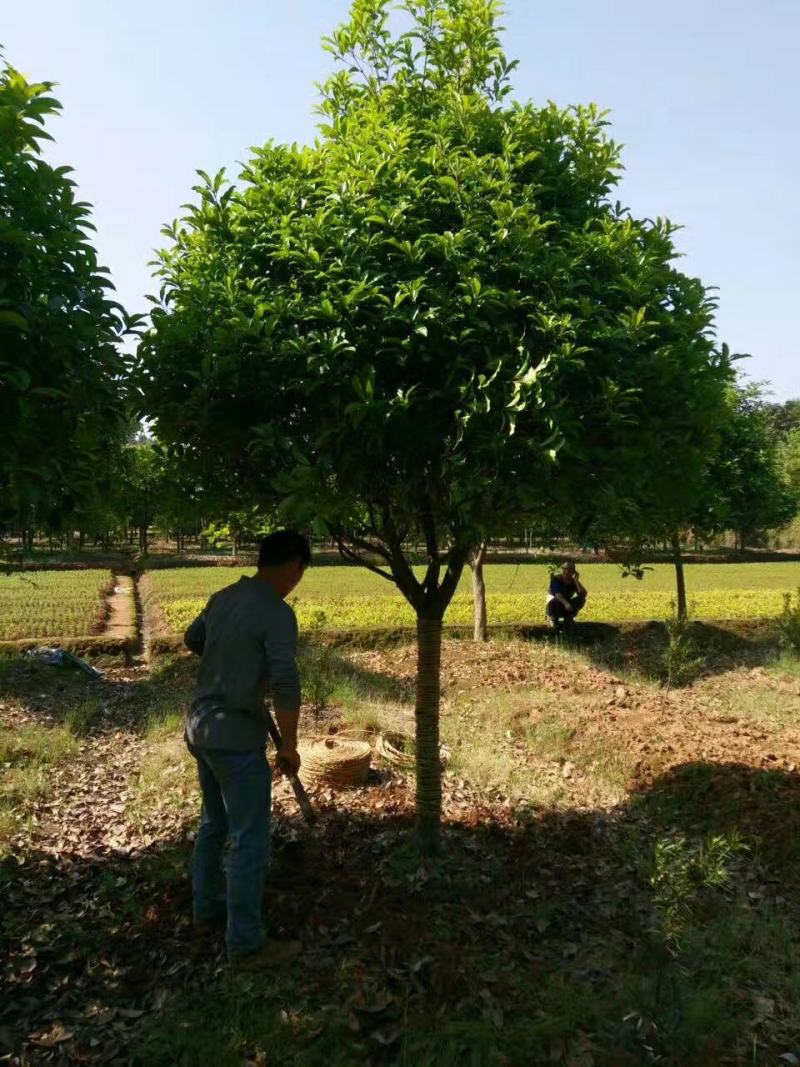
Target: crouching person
(566,597)
(247,638)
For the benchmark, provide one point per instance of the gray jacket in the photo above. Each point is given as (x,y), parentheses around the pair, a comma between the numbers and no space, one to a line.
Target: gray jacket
(247,637)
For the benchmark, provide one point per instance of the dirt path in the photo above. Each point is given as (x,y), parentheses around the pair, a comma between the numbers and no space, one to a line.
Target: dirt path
(122,608)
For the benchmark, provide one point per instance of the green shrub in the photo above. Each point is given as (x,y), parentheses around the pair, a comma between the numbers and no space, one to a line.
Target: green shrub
(789,624)
(317,667)
(681,870)
(680,660)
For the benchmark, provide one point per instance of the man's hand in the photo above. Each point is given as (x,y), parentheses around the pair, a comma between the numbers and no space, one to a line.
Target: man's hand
(288,759)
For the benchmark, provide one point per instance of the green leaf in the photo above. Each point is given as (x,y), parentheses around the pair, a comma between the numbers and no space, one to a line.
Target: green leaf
(13,318)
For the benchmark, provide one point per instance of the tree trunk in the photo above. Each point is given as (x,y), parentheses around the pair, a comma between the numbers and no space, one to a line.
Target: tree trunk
(429,771)
(143,540)
(679,576)
(476,561)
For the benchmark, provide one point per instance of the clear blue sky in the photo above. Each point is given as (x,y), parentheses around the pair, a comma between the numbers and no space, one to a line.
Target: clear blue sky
(704,95)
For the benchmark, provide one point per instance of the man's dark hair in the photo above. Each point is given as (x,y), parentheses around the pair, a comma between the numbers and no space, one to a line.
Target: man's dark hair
(282,546)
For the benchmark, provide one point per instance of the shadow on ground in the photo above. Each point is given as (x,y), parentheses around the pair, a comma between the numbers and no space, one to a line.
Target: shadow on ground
(640,648)
(663,931)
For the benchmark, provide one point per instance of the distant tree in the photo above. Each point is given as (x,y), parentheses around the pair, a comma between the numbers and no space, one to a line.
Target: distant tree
(790,462)
(140,489)
(402,327)
(747,489)
(182,505)
(782,419)
(61,369)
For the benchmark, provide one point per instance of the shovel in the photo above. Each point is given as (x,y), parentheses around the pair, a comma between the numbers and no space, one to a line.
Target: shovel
(297,786)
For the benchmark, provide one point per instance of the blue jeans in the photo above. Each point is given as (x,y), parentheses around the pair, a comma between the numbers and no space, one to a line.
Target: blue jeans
(236,788)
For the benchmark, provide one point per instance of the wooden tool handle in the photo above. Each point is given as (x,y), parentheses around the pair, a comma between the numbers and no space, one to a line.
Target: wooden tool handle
(297,786)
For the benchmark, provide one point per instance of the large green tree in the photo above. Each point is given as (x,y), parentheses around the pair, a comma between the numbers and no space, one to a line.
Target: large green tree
(405,325)
(60,363)
(735,478)
(746,472)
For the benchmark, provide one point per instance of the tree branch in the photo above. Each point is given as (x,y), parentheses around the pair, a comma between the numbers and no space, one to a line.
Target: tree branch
(403,574)
(457,559)
(431,582)
(348,553)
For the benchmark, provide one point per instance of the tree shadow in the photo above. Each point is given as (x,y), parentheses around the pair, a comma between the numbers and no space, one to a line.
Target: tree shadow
(641,648)
(120,699)
(761,804)
(539,936)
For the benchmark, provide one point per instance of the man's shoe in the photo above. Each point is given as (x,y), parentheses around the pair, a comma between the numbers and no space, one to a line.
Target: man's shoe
(271,954)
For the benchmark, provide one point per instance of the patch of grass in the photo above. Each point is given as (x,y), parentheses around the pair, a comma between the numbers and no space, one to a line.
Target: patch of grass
(786,665)
(164,723)
(608,766)
(28,753)
(36,745)
(550,737)
(482,762)
(21,785)
(760,703)
(348,692)
(82,718)
(166,780)
(371,717)
(485,736)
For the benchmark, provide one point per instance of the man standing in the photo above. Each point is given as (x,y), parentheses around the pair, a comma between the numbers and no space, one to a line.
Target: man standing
(247,637)
(566,596)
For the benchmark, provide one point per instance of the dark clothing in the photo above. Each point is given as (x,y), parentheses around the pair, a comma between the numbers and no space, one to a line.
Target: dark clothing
(556,610)
(247,637)
(559,585)
(569,589)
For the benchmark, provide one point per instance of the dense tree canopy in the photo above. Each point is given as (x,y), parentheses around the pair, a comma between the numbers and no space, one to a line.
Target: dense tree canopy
(747,489)
(782,419)
(60,364)
(430,319)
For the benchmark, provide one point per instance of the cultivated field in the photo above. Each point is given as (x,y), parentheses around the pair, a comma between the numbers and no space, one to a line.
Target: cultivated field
(52,603)
(352,597)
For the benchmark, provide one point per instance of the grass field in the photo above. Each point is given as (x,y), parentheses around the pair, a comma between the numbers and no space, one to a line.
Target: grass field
(351,597)
(52,603)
